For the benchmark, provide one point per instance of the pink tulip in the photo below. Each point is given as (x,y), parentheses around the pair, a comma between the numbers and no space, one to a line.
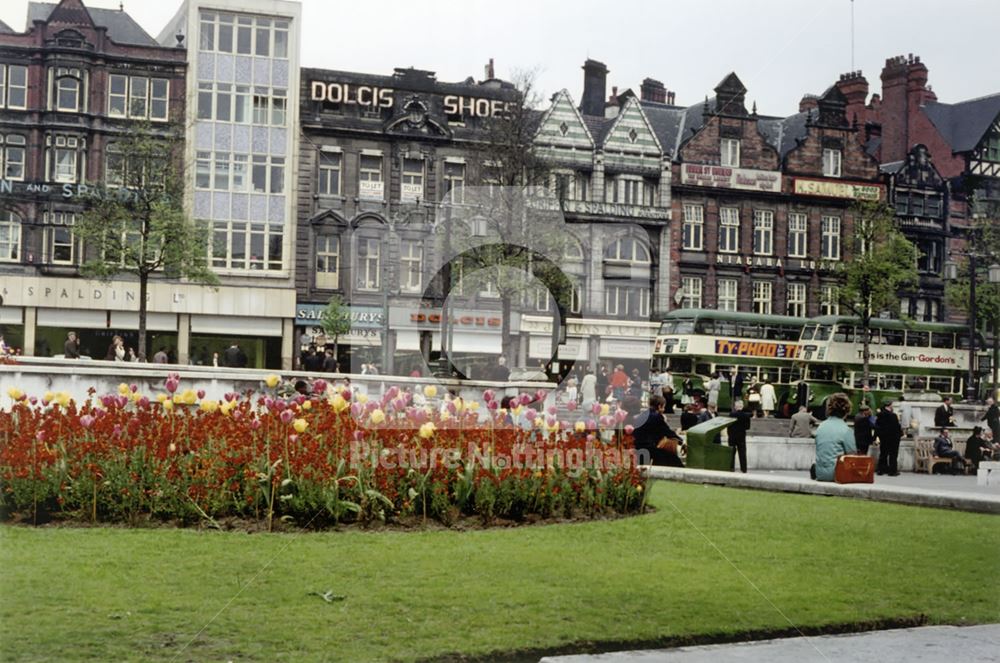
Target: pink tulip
(392,392)
(399,404)
(591,424)
(255,424)
(591,437)
(144,401)
(171,385)
(358,436)
(489,395)
(133,387)
(40,436)
(550,421)
(33,400)
(493,405)
(551,409)
(86,421)
(269,402)
(530,415)
(287,416)
(452,408)
(526,399)
(174,376)
(201,393)
(122,401)
(595,408)
(293,438)
(230,397)
(356,409)
(278,406)
(237,415)
(345,394)
(117,431)
(571,406)
(620,415)
(319,386)
(629,429)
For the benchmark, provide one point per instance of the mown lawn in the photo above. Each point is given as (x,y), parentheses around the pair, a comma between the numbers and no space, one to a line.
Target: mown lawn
(106,594)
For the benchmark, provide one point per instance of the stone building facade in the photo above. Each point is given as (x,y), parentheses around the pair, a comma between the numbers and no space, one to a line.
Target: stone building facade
(70,85)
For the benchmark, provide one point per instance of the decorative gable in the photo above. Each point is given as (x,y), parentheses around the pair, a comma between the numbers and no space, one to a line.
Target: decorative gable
(70,12)
(563,136)
(631,143)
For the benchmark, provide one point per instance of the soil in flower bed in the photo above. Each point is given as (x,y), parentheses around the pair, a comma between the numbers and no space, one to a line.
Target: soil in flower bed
(253,526)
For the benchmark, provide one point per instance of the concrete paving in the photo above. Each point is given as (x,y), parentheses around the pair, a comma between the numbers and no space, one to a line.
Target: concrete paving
(946,492)
(930,644)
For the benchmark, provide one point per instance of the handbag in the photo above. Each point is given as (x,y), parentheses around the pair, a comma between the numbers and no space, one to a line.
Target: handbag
(854,469)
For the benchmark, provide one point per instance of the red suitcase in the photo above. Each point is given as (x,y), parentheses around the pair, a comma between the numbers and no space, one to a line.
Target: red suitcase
(854,469)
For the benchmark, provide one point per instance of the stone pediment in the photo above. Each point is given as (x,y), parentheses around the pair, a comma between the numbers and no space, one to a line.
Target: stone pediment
(416,120)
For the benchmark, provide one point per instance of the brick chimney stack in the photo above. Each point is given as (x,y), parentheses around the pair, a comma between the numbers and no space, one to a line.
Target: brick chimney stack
(595,88)
(904,91)
(808,102)
(854,86)
(653,90)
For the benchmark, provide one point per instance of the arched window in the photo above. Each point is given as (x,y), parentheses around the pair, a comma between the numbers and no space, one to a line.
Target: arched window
(67,89)
(10,237)
(627,249)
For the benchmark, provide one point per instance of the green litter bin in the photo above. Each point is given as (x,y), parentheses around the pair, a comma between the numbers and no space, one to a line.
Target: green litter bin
(703,453)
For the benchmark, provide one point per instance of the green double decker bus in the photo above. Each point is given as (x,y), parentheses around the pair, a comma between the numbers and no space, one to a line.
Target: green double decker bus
(695,344)
(904,358)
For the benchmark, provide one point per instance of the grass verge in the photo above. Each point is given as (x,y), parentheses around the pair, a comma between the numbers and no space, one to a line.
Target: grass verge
(710,563)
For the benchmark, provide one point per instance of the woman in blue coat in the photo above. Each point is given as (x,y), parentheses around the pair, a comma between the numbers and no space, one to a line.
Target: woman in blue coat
(833,437)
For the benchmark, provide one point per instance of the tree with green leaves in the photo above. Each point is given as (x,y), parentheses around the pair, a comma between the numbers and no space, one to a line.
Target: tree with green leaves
(985,235)
(135,223)
(883,263)
(335,320)
(506,225)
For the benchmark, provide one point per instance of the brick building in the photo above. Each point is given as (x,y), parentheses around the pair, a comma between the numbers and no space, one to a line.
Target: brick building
(764,204)
(69,85)
(931,151)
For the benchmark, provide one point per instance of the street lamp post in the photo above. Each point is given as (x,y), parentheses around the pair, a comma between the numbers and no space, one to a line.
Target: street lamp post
(994,278)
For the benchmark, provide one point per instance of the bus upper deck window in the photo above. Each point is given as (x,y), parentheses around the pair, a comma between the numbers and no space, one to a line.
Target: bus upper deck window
(839,334)
(725,328)
(749,330)
(892,336)
(917,339)
(822,333)
(667,327)
(807,332)
(962,341)
(704,327)
(684,327)
(942,340)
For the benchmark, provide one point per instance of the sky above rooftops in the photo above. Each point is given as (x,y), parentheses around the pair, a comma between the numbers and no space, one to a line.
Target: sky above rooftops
(780,49)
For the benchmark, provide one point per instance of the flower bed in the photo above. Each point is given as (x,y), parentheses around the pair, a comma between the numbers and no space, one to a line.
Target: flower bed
(314,460)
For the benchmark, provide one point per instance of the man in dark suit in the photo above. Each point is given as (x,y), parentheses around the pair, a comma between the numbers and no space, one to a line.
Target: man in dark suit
(944,416)
(738,433)
(654,439)
(864,431)
(889,433)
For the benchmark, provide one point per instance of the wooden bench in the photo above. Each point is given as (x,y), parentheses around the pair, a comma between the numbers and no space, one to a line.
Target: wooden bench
(924,459)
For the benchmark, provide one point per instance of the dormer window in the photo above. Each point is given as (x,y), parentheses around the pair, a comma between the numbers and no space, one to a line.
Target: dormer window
(731,152)
(831,163)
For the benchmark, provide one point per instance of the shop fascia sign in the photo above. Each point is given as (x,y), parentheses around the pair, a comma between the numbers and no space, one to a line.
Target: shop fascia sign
(362,317)
(837,189)
(374,96)
(67,191)
(773,262)
(725,177)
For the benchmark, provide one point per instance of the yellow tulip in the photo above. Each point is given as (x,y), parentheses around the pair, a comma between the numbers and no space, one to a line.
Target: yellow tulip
(638,489)
(190,397)
(307,405)
(459,405)
(48,396)
(161,397)
(136,397)
(168,405)
(427,430)
(362,398)
(300,425)
(474,405)
(63,398)
(580,427)
(377,416)
(123,389)
(226,407)
(209,405)
(272,381)
(15,393)
(605,408)
(339,403)
(430,391)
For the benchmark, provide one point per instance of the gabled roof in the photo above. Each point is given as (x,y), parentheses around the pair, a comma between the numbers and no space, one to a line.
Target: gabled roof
(964,124)
(122,29)
(632,116)
(6,29)
(562,114)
